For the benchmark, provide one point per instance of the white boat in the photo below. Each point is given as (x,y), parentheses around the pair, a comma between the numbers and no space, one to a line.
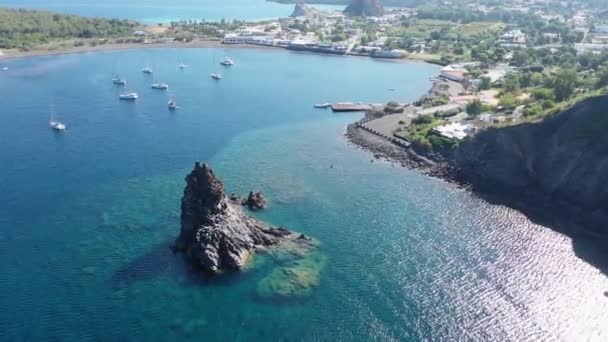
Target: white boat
(322,105)
(146,70)
(182,66)
(216,76)
(56,124)
(119,81)
(4,69)
(160,86)
(172,105)
(129,96)
(227,62)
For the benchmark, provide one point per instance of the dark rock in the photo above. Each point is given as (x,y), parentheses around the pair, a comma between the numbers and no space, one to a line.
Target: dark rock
(364,8)
(215,233)
(561,161)
(255,201)
(303,10)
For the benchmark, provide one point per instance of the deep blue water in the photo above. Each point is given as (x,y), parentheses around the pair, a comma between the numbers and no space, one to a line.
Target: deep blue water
(86,216)
(160,11)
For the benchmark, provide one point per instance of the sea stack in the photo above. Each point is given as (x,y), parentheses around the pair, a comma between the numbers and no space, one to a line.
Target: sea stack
(255,201)
(364,8)
(303,10)
(216,234)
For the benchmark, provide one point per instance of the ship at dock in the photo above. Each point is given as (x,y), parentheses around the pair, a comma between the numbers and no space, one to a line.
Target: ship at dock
(327,48)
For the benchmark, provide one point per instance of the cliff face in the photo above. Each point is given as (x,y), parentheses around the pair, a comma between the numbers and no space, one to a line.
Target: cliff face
(364,8)
(564,159)
(302,10)
(215,232)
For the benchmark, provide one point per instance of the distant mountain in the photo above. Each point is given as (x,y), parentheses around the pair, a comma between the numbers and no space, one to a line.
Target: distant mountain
(364,8)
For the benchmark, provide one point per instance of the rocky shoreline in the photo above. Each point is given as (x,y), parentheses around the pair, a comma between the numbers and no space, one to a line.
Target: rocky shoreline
(520,167)
(383,149)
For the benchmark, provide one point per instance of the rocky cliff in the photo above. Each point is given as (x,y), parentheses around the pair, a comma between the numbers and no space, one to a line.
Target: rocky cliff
(560,163)
(364,8)
(302,10)
(215,232)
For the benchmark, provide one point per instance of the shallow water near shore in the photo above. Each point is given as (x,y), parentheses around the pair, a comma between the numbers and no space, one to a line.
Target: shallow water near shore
(87,216)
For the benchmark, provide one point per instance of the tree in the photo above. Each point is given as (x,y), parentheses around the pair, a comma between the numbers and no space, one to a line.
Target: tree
(521,58)
(565,83)
(485,84)
(602,77)
(542,94)
(474,108)
(510,84)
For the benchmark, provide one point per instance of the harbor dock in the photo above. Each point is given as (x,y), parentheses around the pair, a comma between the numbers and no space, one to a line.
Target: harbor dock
(350,107)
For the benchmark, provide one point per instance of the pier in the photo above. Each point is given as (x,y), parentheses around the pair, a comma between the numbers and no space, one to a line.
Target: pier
(350,107)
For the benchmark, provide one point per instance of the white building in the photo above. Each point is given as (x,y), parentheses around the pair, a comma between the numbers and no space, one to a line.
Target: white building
(514,36)
(455,130)
(590,48)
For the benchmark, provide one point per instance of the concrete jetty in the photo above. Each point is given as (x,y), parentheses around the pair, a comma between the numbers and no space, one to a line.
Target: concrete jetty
(350,107)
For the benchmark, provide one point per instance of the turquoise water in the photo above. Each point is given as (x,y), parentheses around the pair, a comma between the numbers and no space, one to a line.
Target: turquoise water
(87,216)
(159,11)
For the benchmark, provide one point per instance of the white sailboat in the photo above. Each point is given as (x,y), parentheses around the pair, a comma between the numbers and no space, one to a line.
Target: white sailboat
(56,124)
(160,86)
(119,81)
(216,76)
(172,105)
(147,70)
(227,61)
(128,96)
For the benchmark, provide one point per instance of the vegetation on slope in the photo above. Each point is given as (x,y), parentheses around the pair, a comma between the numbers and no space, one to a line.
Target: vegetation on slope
(25,29)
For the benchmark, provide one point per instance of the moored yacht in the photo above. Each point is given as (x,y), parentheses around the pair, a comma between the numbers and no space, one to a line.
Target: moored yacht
(58,126)
(172,105)
(129,96)
(54,123)
(322,105)
(146,70)
(216,76)
(160,86)
(119,81)
(227,62)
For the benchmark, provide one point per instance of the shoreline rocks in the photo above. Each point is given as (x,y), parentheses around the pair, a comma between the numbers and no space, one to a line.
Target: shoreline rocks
(255,201)
(217,235)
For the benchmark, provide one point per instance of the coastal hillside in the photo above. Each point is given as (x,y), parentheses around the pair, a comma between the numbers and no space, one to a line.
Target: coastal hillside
(25,29)
(562,160)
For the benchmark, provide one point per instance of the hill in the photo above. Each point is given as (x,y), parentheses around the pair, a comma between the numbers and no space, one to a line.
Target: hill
(26,29)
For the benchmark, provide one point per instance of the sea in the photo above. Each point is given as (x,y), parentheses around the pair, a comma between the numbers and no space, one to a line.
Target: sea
(87,216)
(162,11)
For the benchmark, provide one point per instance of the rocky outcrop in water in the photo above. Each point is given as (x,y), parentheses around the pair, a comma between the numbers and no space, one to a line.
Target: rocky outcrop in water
(303,10)
(561,162)
(255,201)
(215,232)
(364,8)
